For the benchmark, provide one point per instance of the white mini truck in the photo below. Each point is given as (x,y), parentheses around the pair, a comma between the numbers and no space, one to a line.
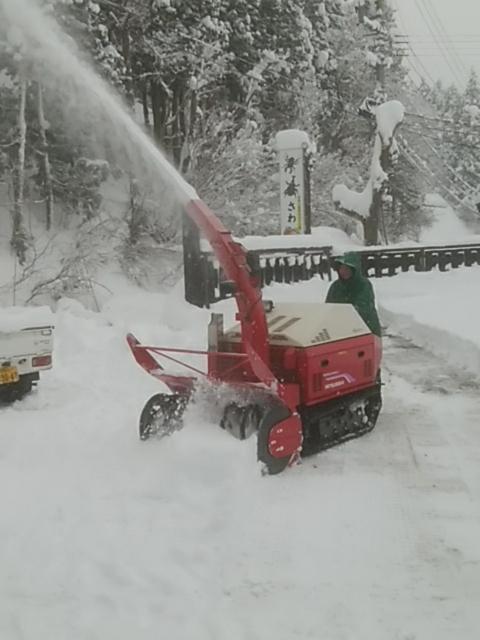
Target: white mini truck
(26,346)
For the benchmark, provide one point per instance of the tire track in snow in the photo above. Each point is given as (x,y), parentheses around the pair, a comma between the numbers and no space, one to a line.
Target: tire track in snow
(441,508)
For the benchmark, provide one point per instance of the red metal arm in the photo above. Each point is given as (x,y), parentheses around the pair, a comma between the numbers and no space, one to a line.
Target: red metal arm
(233,259)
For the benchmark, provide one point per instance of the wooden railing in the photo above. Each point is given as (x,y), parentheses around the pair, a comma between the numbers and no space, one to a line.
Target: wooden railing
(205,282)
(378,263)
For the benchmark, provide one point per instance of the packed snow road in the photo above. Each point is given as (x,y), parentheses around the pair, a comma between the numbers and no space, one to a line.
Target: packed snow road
(105,537)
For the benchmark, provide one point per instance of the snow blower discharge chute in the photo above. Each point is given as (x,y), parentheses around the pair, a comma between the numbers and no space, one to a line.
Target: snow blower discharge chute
(306,375)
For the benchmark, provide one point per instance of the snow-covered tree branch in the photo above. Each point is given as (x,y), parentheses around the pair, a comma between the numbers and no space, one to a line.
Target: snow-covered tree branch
(363,206)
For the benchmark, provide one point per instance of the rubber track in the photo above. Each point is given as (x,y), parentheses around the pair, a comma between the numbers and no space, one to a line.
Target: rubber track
(336,422)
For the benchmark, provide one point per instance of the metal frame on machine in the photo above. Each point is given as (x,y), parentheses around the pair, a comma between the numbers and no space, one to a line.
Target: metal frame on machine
(144,355)
(250,313)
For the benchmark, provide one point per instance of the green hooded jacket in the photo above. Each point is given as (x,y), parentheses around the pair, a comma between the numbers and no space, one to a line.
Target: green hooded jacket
(357,291)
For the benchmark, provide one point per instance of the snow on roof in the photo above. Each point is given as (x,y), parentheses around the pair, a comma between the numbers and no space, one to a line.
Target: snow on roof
(389,116)
(292,139)
(18,318)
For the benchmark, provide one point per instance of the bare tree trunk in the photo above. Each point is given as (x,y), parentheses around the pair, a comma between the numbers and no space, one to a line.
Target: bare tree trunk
(372,223)
(146,111)
(136,213)
(126,50)
(159,111)
(178,118)
(47,172)
(19,235)
(376,221)
(190,123)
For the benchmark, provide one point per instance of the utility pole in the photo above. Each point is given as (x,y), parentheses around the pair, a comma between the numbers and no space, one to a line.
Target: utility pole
(380,58)
(377,213)
(382,42)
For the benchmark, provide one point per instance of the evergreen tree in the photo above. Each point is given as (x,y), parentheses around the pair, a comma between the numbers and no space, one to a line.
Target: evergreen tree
(436,95)
(216,79)
(471,95)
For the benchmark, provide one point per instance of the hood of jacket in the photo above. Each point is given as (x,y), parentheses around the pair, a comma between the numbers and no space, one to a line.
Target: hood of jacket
(352,260)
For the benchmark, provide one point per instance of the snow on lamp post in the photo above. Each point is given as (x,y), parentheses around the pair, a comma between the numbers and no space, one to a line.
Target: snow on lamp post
(365,207)
(293,154)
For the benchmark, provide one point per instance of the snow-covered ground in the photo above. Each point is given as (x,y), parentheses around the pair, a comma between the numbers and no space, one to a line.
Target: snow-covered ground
(440,311)
(105,537)
(446,226)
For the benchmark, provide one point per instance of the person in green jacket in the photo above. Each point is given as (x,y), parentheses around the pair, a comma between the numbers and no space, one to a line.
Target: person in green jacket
(354,288)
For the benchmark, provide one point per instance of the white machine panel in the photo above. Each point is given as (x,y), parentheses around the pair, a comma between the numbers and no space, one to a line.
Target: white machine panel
(308,324)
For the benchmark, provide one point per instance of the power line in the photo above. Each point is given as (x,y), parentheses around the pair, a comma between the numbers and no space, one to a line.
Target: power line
(445,130)
(431,53)
(430,44)
(431,48)
(417,162)
(422,66)
(458,178)
(455,174)
(402,39)
(414,68)
(442,32)
(424,35)
(437,41)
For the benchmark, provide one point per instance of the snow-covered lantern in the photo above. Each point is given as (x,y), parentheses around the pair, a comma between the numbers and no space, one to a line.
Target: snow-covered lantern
(293,154)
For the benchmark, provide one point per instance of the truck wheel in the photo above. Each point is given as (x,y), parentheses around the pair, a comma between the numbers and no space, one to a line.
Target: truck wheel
(18,390)
(25,387)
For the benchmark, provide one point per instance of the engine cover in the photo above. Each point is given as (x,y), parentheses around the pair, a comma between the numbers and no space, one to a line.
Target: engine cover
(308,324)
(325,349)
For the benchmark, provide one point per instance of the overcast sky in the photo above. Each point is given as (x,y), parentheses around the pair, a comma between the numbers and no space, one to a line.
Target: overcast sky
(456,34)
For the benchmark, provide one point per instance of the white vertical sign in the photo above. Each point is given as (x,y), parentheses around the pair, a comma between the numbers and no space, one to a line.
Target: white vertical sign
(292,146)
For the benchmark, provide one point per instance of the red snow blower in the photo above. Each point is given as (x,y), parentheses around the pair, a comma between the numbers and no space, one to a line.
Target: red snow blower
(305,376)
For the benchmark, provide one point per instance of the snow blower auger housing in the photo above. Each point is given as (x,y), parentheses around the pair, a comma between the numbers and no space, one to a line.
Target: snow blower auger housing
(307,374)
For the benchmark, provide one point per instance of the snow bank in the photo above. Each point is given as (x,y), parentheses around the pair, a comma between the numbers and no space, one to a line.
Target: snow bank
(339,239)
(439,311)
(448,344)
(320,237)
(18,318)
(447,226)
